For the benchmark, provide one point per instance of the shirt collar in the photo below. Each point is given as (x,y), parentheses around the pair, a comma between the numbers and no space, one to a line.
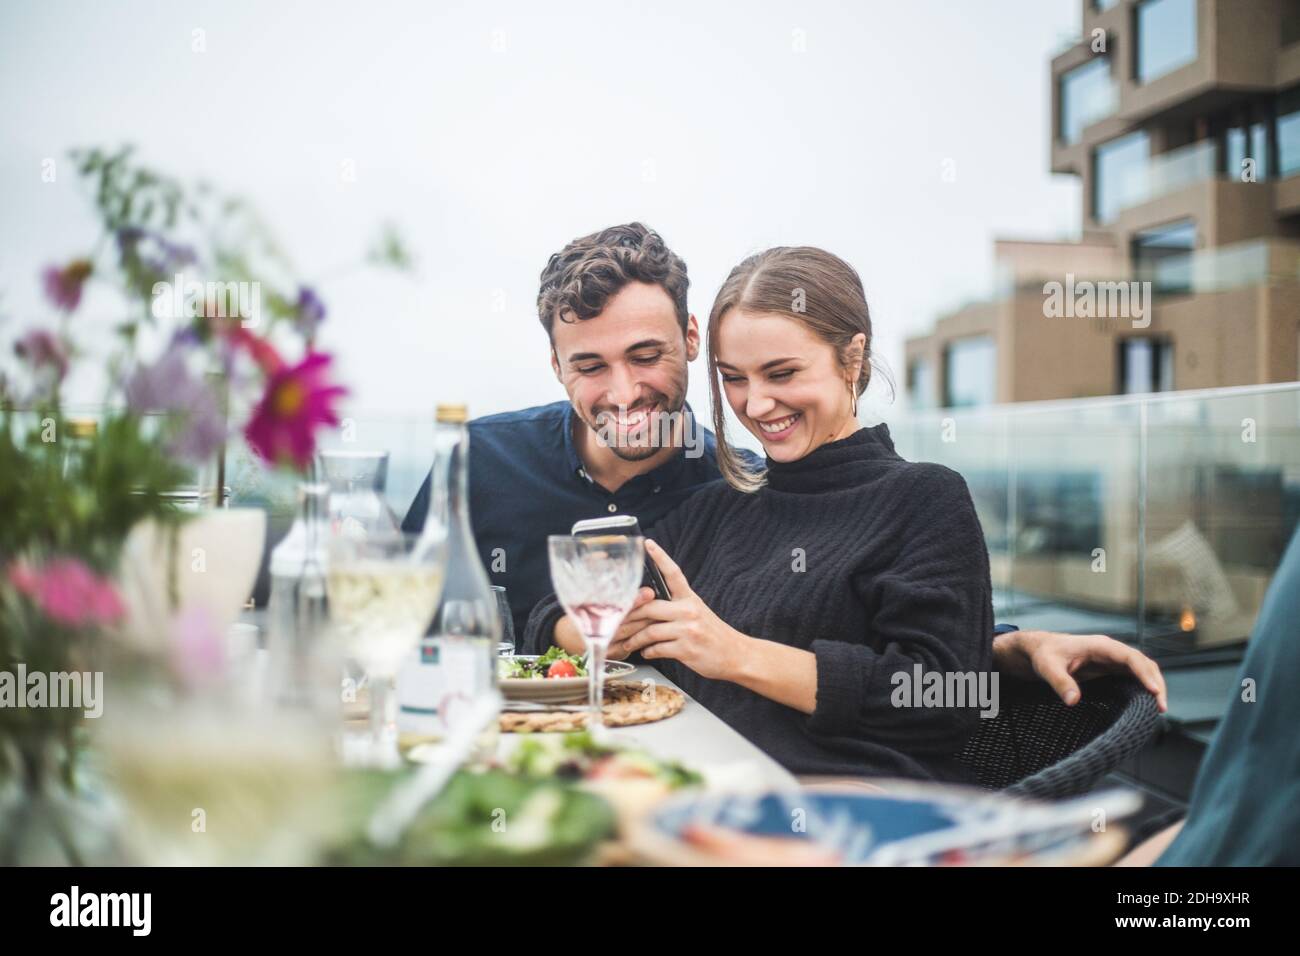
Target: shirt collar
(664,474)
(570,450)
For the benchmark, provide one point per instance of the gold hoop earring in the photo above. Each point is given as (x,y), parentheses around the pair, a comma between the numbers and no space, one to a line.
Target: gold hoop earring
(853,398)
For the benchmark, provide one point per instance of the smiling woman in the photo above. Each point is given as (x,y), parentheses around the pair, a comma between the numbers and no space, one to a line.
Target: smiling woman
(769,332)
(799,593)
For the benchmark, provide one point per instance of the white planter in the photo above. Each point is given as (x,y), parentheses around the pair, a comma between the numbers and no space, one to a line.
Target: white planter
(215,560)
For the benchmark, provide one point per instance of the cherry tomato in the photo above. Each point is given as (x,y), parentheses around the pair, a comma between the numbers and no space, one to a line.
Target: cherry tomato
(562,669)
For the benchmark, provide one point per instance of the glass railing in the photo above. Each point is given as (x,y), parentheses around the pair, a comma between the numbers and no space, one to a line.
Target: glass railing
(1182,167)
(1225,267)
(1156,519)
(1234,266)
(1169,172)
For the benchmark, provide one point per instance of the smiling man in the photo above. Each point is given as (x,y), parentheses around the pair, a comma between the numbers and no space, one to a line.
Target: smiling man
(614,307)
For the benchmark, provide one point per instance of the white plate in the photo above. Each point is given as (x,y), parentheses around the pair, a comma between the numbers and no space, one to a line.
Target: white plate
(554,690)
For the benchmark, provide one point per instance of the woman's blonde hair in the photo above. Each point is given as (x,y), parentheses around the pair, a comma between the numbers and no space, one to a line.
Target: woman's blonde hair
(815,288)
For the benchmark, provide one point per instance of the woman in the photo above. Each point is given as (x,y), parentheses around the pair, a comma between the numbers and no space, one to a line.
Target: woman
(808,598)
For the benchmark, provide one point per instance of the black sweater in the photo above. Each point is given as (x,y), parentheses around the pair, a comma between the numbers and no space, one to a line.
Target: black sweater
(895,572)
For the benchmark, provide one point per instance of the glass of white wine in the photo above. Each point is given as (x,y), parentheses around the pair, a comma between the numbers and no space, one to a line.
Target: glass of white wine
(383,591)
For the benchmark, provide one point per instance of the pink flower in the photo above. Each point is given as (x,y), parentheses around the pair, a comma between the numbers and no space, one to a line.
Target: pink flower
(199,653)
(63,286)
(68,592)
(296,402)
(262,352)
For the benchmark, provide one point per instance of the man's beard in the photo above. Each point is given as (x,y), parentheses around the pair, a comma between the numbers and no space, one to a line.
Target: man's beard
(657,432)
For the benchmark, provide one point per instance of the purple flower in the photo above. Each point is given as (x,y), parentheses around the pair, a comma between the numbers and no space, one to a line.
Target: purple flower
(168,387)
(173,255)
(184,337)
(128,237)
(44,352)
(310,311)
(152,252)
(204,431)
(63,285)
(154,388)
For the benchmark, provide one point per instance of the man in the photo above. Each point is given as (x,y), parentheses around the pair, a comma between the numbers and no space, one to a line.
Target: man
(626,441)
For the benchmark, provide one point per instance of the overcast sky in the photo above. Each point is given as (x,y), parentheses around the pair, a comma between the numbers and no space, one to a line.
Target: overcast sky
(493,133)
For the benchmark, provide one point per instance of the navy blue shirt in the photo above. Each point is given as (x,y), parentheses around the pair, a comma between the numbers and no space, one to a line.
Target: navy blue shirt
(526,481)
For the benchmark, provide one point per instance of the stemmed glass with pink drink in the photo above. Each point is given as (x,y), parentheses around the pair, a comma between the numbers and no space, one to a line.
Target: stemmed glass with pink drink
(596,579)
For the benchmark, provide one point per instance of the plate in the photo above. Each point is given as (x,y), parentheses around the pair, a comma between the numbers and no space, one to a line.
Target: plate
(911,824)
(552,823)
(554,690)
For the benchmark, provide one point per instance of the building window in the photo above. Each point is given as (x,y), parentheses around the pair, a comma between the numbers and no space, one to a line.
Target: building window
(1087,95)
(1163,256)
(1288,132)
(970,371)
(920,385)
(1119,175)
(1290,22)
(1100,5)
(1145,365)
(1246,142)
(1166,37)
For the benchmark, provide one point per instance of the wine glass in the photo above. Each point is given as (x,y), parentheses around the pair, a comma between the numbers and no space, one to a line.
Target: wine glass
(507,645)
(383,590)
(596,579)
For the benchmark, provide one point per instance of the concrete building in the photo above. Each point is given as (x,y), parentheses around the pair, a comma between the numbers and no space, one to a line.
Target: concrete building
(1182,120)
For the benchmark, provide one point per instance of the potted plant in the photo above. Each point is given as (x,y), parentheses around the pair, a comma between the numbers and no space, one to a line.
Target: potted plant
(216,335)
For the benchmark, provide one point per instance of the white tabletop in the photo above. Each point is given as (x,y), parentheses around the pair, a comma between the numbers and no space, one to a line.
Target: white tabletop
(694,736)
(699,740)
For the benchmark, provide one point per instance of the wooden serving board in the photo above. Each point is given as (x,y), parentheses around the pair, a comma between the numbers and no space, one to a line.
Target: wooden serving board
(626,703)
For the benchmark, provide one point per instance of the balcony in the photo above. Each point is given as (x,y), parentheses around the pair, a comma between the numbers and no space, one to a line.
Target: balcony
(1159,519)
(1161,175)
(1221,269)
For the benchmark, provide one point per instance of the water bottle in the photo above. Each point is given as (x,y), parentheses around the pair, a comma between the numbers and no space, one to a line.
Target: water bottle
(456,662)
(297,612)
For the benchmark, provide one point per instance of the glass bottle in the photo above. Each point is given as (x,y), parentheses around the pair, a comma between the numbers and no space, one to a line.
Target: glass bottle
(80,436)
(356,503)
(298,611)
(457,660)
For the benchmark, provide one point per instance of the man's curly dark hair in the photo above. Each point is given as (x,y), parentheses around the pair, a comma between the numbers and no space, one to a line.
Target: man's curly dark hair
(581,278)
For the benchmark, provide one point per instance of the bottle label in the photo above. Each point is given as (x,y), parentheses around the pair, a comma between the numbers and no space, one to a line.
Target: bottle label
(465,663)
(419,687)
(440,679)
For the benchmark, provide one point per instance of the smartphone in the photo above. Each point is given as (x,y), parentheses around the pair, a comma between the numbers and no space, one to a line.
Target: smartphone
(626,525)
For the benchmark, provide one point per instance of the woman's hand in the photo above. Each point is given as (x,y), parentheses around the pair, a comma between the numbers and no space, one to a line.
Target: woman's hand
(619,647)
(566,632)
(683,629)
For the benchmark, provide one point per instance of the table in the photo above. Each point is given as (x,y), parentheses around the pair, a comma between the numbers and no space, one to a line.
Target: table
(694,736)
(698,739)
